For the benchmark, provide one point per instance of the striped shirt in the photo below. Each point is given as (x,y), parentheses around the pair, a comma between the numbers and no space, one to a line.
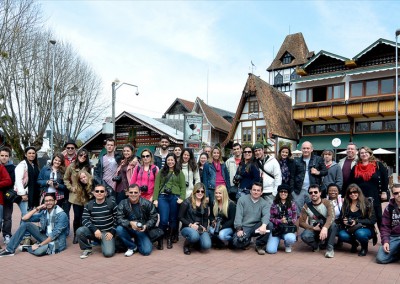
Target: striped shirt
(101,217)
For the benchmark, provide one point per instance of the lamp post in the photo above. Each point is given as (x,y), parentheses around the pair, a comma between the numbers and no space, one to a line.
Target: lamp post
(397,108)
(53,42)
(115,86)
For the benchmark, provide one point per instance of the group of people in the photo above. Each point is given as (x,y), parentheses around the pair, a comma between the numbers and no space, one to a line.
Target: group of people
(133,202)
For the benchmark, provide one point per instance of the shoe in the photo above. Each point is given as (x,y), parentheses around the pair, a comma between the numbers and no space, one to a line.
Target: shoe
(86,253)
(160,244)
(260,250)
(315,248)
(288,249)
(175,237)
(130,252)
(23,248)
(6,253)
(75,240)
(354,247)
(6,239)
(186,247)
(330,254)
(27,242)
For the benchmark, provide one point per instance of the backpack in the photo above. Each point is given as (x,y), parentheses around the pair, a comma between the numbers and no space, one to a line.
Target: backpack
(154,170)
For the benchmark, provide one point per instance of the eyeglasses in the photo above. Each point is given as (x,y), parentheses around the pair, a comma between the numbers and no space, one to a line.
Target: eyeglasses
(99,191)
(199,191)
(247,152)
(145,156)
(353,192)
(396,193)
(82,155)
(313,192)
(70,148)
(134,193)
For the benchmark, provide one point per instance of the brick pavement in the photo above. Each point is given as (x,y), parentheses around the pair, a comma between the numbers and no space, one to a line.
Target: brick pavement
(215,266)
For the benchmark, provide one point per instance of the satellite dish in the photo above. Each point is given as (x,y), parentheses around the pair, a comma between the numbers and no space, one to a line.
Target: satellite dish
(336,142)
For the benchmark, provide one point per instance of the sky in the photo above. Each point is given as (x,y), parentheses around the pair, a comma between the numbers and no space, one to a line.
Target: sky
(189,49)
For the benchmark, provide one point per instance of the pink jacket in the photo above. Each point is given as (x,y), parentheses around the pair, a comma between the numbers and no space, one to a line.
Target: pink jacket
(141,178)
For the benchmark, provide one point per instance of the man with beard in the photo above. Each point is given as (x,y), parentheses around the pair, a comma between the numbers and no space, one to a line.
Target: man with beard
(162,152)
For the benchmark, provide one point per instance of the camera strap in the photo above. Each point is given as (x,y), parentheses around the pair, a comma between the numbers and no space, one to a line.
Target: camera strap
(315,212)
(261,166)
(168,178)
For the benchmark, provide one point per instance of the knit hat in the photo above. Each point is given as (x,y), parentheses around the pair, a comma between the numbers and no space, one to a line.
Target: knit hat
(284,186)
(258,145)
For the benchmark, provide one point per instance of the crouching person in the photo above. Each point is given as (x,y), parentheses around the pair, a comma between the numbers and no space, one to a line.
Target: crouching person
(99,222)
(51,234)
(136,217)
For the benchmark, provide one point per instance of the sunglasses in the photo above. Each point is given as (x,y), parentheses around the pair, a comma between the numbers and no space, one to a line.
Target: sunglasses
(353,192)
(396,193)
(283,191)
(70,148)
(247,152)
(133,193)
(313,192)
(99,191)
(199,191)
(145,156)
(82,155)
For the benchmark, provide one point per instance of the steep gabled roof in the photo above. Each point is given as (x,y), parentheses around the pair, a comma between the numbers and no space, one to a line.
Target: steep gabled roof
(297,47)
(187,105)
(324,53)
(275,106)
(373,45)
(216,120)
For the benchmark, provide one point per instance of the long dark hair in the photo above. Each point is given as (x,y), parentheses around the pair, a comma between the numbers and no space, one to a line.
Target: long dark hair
(165,169)
(280,151)
(288,201)
(243,161)
(86,163)
(62,166)
(35,161)
(362,202)
(130,146)
(191,163)
(202,154)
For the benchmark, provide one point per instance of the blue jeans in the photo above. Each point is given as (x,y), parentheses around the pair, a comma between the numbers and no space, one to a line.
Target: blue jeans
(311,238)
(23,206)
(194,237)
(26,227)
(224,234)
(107,247)
(141,239)
(273,242)
(362,235)
(300,199)
(168,209)
(394,253)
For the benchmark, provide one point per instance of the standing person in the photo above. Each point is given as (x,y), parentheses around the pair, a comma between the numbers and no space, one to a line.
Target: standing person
(70,152)
(372,177)
(215,173)
(107,166)
(207,149)
(334,172)
(317,218)
(26,175)
(161,153)
(283,213)
(51,180)
(251,220)
(51,234)
(136,216)
(124,172)
(232,165)
(190,170)
(202,160)
(99,222)
(347,164)
(287,166)
(309,169)
(169,191)
(271,175)
(246,175)
(5,183)
(71,181)
(178,152)
(144,175)
(390,230)
(5,154)
(222,218)
(358,220)
(194,214)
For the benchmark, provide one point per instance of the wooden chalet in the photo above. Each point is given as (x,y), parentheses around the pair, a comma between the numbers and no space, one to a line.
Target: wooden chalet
(263,115)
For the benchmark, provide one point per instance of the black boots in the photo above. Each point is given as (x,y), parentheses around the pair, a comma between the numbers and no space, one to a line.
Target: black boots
(160,243)
(170,233)
(354,245)
(186,247)
(75,240)
(364,249)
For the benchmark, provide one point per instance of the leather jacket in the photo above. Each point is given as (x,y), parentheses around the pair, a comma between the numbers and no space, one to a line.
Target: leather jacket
(148,213)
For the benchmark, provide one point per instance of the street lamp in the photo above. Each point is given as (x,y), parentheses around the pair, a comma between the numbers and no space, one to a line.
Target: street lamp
(115,86)
(397,108)
(53,42)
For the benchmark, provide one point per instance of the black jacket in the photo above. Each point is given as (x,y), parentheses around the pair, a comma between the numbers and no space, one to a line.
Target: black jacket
(300,171)
(148,213)
(227,222)
(189,215)
(292,169)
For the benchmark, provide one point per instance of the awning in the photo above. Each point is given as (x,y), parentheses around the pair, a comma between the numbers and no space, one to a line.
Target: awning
(322,142)
(376,140)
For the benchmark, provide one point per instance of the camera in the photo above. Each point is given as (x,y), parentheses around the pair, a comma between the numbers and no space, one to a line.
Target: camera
(243,239)
(187,184)
(349,221)
(55,183)
(117,178)
(318,222)
(143,188)
(218,221)
(200,229)
(167,190)
(237,179)
(139,225)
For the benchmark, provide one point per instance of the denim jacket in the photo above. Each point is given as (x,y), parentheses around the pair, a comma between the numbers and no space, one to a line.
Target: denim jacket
(59,232)
(210,174)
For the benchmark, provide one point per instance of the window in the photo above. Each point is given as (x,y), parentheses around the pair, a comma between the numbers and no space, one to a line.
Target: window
(253,106)
(304,96)
(287,58)
(326,128)
(246,134)
(383,125)
(294,76)
(278,79)
(261,132)
(372,87)
(320,94)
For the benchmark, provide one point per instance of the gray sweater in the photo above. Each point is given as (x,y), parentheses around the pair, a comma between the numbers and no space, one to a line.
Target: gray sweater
(249,213)
(334,176)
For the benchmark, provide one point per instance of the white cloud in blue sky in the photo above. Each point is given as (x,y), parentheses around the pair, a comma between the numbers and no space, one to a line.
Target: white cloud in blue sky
(166,47)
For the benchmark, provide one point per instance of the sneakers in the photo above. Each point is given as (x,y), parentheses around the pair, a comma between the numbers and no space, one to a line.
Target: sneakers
(23,248)
(330,254)
(260,250)
(6,253)
(288,249)
(86,253)
(130,252)
(6,239)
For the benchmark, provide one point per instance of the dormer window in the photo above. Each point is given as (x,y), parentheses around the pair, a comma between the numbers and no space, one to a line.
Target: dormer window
(287,58)
(278,79)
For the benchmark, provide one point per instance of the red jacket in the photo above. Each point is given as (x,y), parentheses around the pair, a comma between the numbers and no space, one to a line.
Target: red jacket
(5,182)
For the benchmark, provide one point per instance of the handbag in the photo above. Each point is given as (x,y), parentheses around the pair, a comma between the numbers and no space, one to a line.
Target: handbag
(11,196)
(288,228)
(351,230)
(155,234)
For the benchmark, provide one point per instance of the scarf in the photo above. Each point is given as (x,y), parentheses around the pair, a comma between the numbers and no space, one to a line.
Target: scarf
(285,171)
(365,171)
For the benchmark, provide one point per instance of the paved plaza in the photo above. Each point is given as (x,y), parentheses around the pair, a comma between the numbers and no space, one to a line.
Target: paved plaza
(215,266)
